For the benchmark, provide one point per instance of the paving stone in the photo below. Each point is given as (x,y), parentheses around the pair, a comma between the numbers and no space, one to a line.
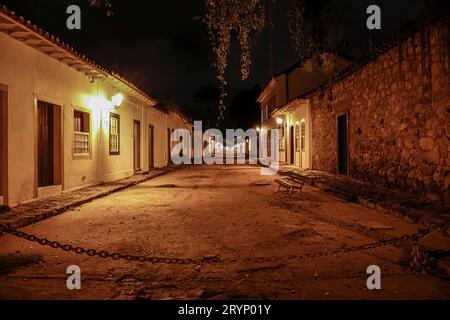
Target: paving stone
(410,207)
(373,225)
(35,211)
(437,241)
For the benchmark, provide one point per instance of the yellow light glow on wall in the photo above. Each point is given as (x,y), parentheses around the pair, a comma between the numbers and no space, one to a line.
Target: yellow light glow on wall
(100,102)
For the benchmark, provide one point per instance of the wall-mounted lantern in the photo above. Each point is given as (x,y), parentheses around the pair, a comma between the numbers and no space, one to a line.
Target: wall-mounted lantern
(280,121)
(117,100)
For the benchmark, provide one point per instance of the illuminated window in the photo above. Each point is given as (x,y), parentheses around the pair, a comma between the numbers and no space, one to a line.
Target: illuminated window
(114,134)
(81,134)
(297,137)
(303,133)
(282,138)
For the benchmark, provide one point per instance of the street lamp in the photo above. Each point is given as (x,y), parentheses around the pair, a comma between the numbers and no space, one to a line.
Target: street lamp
(279,121)
(117,100)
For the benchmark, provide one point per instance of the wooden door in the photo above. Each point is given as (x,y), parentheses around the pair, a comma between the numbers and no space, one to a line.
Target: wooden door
(137,145)
(303,142)
(169,147)
(2,151)
(342,126)
(291,146)
(3,148)
(45,145)
(151,147)
(298,153)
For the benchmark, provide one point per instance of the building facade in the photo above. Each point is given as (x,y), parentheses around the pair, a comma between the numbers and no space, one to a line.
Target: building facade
(283,108)
(386,121)
(67,123)
(389,121)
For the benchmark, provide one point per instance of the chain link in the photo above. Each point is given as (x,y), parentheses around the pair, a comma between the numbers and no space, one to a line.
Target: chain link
(209,259)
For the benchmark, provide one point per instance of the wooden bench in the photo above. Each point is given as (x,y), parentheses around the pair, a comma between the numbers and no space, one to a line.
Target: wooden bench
(291,184)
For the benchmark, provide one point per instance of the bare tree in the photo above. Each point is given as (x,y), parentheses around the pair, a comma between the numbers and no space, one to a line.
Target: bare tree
(315,27)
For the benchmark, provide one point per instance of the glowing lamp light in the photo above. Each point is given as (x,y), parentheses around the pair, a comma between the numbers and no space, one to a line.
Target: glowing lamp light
(117,100)
(279,121)
(258,129)
(100,102)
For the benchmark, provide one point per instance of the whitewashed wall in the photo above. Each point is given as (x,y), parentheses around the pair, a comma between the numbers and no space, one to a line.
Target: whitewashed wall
(30,75)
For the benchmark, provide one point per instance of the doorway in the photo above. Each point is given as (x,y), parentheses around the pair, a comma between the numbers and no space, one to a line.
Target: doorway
(342,126)
(303,146)
(151,147)
(3,149)
(298,158)
(137,145)
(292,145)
(169,149)
(49,145)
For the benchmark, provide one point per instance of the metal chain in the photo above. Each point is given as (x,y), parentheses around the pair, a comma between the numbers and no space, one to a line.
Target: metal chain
(103,254)
(347,249)
(207,259)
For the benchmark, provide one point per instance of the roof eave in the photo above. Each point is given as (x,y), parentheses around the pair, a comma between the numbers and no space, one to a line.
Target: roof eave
(24,31)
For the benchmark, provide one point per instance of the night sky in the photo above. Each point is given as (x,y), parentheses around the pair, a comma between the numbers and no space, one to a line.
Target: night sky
(160,47)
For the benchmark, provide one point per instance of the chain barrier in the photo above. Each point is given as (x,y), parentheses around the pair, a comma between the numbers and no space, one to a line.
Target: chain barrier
(207,259)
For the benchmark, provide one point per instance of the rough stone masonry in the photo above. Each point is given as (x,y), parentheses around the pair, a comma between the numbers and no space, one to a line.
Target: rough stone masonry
(398,107)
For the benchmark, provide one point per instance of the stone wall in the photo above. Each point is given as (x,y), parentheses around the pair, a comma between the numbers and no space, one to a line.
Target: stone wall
(399,117)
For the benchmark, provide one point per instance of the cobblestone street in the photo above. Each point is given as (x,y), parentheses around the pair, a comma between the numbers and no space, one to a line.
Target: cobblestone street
(41,209)
(270,245)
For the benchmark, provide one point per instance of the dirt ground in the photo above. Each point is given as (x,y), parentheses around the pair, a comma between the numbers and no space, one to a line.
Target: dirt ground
(230,212)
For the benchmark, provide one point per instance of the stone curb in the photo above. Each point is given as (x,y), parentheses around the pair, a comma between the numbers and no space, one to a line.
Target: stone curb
(424,220)
(26,219)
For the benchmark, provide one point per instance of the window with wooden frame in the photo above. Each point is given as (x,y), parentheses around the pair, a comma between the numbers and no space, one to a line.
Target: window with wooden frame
(114,134)
(297,137)
(81,146)
(303,134)
(272,103)
(282,138)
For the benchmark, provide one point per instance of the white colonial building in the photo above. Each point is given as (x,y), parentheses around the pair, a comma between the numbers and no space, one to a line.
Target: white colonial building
(66,122)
